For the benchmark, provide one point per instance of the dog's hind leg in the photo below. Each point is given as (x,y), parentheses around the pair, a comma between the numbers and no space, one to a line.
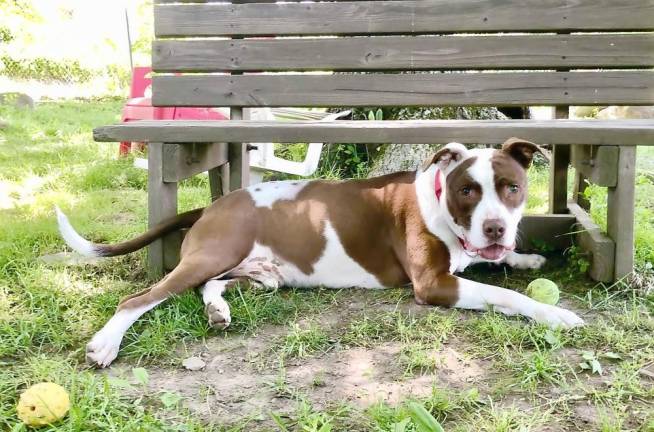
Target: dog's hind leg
(191,272)
(215,306)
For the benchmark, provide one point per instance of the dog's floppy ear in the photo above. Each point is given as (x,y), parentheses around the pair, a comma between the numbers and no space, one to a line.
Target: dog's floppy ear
(521,150)
(447,157)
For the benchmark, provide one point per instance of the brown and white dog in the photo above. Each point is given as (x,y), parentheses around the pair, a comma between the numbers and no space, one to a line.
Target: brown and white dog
(421,227)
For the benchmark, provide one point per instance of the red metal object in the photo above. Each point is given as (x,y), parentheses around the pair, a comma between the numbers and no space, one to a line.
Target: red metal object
(139,107)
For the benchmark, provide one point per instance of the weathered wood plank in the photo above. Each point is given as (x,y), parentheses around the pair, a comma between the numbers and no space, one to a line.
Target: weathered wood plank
(184,161)
(162,204)
(423,16)
(591,239)
(419,89)
(239,158)
(552,229)
(620,212)
(232,1)
(406,53)
(597,164)
(559,161)
(588,132)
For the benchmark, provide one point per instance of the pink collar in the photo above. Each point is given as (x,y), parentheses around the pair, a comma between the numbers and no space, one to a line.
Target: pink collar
(438,191)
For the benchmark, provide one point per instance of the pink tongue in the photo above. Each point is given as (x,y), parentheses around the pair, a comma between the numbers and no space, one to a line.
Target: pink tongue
(492,252)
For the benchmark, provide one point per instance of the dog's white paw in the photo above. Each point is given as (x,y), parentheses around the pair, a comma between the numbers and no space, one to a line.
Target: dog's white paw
(218,313)
(556,317)
(103,349)
(526,261)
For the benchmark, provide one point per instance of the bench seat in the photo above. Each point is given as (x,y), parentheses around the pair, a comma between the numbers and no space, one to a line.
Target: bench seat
(585,132)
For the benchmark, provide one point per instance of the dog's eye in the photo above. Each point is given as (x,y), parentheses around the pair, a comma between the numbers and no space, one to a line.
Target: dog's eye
(514,188)
(466,191)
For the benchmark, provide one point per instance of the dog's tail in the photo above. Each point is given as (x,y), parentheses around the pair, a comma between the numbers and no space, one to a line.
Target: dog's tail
(82,246)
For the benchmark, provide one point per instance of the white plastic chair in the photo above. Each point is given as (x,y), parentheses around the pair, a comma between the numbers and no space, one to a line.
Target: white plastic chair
(263,157)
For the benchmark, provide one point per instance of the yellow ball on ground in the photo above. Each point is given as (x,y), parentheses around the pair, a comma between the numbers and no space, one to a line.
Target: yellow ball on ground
(43,404)
(544,291)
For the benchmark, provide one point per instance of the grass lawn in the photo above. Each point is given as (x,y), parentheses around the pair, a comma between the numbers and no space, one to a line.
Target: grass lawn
(296,360)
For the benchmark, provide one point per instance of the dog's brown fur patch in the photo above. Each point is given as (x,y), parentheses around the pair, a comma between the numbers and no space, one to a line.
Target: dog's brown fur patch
(460,206)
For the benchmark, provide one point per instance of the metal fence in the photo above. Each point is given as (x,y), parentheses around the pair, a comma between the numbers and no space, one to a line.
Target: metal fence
(72,48)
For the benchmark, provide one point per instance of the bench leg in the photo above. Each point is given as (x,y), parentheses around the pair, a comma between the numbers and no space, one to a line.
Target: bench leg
(239,166)
(559,179)
(219,181)
(620,212)
(559,170)
(162,204)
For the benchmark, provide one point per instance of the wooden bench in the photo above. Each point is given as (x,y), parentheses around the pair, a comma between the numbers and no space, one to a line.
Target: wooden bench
(407,53)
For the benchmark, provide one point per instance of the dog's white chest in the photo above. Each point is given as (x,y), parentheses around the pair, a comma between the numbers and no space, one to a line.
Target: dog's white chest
(334,269)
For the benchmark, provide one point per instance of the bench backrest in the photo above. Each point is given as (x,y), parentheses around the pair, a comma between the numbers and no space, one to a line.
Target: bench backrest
(413,53)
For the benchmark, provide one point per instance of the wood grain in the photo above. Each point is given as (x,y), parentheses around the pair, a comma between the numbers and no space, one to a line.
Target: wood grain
(418,89)
(405,53)
(401,17)
(589,132)
(590,237)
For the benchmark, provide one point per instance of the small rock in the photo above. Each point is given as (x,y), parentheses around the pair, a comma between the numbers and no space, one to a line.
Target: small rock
(194,363)
(17,100)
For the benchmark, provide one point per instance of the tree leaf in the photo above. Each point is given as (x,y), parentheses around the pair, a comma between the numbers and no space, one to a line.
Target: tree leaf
(588,355)
(611,355)
(141,375)
(169,399)
(596,367)
(552,338)
(278,420)
(400,426)
(423,420)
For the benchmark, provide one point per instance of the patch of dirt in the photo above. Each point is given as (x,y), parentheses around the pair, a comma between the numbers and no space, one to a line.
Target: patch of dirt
(242,378)
(364,376)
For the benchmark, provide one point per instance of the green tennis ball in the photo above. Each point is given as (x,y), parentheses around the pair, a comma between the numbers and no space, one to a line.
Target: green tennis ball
(544,291)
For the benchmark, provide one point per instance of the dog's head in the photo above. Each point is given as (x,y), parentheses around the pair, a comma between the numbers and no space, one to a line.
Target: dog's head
(483,193)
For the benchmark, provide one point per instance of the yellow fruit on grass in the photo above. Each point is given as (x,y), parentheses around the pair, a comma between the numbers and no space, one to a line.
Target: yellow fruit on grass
(43,404)
(544,291)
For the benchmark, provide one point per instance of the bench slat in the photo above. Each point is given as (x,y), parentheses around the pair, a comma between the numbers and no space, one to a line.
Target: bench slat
(586,132)
(408,17)
(406,53)
(423,89)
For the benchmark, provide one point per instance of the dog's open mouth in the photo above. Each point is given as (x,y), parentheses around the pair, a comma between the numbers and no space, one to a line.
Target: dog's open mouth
(491,253)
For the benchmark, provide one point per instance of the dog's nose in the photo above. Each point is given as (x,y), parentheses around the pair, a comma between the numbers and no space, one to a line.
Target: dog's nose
(494,229)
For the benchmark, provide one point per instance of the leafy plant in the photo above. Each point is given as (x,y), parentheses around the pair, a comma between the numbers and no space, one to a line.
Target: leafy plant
(542,246)
(423,420)
(45,69)
(591,363)
(578,259)
(141,375)
(169,399)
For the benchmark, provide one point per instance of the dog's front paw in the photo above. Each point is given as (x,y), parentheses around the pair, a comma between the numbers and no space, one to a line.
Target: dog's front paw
(526,261)
(556,317)
(103,349)
(218,313)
